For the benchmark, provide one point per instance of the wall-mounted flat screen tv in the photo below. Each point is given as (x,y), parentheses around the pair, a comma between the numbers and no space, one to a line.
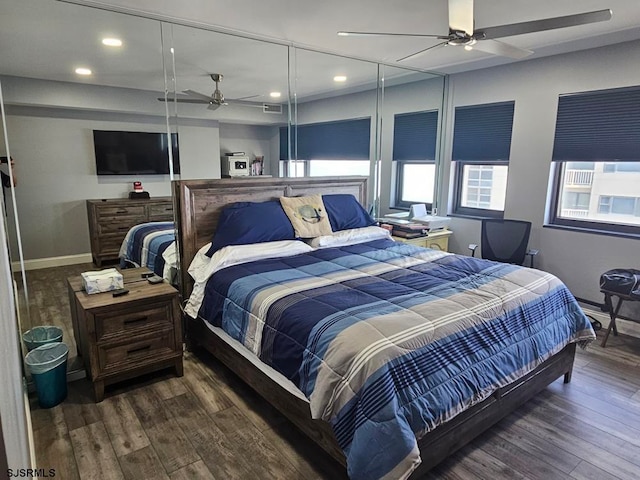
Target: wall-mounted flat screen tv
(134,153)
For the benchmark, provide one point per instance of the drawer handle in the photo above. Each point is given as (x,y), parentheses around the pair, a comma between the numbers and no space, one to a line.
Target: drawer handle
(139,349)
(121,211)
(124,228)
(130,321)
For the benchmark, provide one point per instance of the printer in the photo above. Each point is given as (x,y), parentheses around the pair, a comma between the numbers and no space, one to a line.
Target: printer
(234,166)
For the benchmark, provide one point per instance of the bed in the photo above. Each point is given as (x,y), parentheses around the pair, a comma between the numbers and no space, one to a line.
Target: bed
(356,420)
(151,245)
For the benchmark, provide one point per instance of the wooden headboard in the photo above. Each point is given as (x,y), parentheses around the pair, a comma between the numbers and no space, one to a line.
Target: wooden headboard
(198,204)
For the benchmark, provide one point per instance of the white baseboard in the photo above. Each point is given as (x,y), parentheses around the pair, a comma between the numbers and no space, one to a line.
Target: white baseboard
(38,263)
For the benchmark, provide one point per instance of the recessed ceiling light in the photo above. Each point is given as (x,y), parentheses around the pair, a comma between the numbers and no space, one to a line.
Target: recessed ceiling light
(275,94)
(83,71)
(339,78)
(112,42)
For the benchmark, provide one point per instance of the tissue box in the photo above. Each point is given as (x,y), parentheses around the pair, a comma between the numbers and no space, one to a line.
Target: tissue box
(102,281)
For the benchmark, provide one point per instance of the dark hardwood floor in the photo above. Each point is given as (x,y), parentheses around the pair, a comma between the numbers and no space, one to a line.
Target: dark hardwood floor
(208,424)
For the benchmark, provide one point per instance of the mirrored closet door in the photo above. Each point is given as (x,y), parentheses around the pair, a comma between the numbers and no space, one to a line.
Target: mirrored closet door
(86,71)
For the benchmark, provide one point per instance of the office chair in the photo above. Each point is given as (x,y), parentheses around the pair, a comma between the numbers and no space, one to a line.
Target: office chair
(505,241)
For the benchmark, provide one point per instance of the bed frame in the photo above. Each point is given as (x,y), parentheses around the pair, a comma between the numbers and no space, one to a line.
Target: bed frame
(198,204)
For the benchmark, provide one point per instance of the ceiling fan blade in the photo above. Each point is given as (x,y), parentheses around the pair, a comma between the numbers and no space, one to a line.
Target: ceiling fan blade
(421,52)
(500,48)
(380,34)
(246,98)
(214,106)
(182,100)
(461,16)
(199,95)
(544,24)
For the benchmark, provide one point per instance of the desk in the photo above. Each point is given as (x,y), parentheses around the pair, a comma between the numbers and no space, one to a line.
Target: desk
(437,240)
(613,313)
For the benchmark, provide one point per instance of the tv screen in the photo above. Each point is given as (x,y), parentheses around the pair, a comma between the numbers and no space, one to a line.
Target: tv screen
(134,153)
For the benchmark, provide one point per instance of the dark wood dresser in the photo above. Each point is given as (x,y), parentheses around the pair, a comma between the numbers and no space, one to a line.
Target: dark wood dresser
(111,219)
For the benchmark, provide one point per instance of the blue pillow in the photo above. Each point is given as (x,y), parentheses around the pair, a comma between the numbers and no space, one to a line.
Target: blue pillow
(345,212)
(251,222)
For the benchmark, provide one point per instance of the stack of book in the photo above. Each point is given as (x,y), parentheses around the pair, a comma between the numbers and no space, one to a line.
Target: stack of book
(405,228)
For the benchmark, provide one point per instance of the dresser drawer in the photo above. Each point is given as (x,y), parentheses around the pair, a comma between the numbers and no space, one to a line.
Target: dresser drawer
(144,349)
(110,244)
(160,213)
(118,224)
(116,211)
(136,321)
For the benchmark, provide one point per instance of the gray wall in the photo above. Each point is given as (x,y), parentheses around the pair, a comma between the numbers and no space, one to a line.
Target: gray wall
(253,140)
(578,258)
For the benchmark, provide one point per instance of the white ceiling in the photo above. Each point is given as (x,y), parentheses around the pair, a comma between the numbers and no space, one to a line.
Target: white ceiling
(315,23)
(48,39)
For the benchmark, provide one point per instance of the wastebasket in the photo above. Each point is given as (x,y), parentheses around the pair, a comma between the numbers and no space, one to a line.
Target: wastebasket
(40,336)
(48,367)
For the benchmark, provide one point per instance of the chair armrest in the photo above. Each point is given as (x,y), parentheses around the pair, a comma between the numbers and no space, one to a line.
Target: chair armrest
(472,247)
(532,253)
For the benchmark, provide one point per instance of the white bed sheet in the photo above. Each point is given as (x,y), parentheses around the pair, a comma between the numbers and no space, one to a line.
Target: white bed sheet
(274,375)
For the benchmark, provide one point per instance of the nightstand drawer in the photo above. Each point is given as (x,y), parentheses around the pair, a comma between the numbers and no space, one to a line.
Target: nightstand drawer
(127,323)
(150,348)
(441,243)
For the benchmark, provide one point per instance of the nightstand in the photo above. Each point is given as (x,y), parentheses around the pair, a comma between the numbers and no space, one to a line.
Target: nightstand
(436,240)
(124,337)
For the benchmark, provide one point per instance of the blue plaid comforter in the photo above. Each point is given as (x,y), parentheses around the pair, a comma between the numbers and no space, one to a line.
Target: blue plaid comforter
(388,340)
(144,244)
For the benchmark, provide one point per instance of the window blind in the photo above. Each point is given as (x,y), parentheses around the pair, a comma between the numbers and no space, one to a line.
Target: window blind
(339,140)
(415,135)
(483,132)
(602,125)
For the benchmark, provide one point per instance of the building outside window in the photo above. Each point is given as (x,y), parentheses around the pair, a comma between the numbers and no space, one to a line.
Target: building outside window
(597,161)
(481,149)
(414,155)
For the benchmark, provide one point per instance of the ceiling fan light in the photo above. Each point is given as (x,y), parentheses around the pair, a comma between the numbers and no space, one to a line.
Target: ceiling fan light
(112,42)
(83,71)
(275,94)
(340,78)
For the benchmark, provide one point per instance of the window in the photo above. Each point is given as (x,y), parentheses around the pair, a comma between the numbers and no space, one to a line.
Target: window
(339,148)
(597,161)
(481,145)
(414,154)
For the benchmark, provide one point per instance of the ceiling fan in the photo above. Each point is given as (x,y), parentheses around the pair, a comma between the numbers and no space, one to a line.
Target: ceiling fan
(215,100)
(462,31)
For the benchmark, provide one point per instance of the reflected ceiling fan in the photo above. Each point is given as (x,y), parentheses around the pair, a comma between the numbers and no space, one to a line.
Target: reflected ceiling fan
(462,31)
(215,100)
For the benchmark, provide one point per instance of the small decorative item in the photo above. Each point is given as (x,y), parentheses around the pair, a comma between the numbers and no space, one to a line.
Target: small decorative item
(257,165)
(138,191)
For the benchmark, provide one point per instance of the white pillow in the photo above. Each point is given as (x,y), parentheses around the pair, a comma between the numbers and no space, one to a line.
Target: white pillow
(350,237)
(201,269)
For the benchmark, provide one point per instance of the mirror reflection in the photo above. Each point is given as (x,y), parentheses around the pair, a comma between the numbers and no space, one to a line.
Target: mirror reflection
(231,101)
(233,105)
(99,73)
